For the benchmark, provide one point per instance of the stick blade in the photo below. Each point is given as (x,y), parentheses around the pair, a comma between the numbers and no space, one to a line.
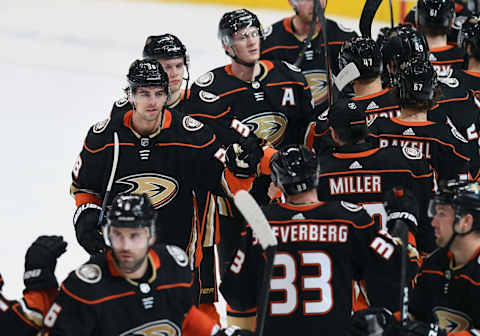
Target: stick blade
(254,216)
(368,13)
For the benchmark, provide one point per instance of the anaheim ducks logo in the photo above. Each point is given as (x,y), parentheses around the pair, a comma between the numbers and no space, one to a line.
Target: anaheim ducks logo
(159,188)
(270,126)
(317,80)
(155,328)
(452,320)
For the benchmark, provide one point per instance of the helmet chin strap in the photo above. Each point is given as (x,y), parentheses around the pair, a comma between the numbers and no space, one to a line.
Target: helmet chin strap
(238,60)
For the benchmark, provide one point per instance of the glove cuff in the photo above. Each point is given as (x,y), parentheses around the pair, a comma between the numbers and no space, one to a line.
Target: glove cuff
(83,209)
(39,278)
(403,215)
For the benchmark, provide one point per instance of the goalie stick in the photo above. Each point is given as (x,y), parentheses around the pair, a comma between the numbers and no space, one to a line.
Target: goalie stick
(116,149)
(254,216)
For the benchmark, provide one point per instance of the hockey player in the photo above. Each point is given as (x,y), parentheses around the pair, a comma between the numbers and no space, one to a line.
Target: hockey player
(270,100)
(443,301)
(25,317)
(438,142)
(322,247)
(434,18)
(136,288)
(285,39)
(358,172)
(158,151)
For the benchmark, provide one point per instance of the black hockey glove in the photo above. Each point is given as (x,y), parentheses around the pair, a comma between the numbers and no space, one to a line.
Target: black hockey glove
(242,158)
(41,260)
(415,328)
(234,331)
(401,203)
(371,321)
(89,235)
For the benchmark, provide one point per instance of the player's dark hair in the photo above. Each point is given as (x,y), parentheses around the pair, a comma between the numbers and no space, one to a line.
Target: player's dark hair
(351,135)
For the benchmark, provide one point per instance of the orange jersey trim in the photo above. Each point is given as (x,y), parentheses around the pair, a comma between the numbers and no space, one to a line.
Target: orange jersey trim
(472,73)
(439,49)
(454,99)
(373,95)
(473,282)
(210,116)
(212,140)
(279,47)
(346,221)
(40,300)
(93,302)
(232,91)
(457,60)
(383,109)
(286,83)
(412,123)
(94,151)
(356,155)
(26,320)
(301,207)
(197,323)
(84,198)
(235,184)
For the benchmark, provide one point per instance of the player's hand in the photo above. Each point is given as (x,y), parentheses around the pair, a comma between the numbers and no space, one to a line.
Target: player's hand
(89,235)
(41,260)
(242,158)
(401,203)
(415,328)
(234,331)
(371,321)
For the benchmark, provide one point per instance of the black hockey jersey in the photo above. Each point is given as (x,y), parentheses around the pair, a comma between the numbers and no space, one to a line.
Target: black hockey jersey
(282,43)
(439,144)
(380,104)
(96,300)
(362,174)
(447,295)
(322,247)
(276,106)
(446,58)
(164,165)
(468,79)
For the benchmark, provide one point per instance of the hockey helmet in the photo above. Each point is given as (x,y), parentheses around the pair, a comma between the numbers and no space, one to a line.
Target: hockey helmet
(233,21)
(165,46)
(417,82)
(469,35)
(435,13)
(365,54)
(295,169)
(147,73)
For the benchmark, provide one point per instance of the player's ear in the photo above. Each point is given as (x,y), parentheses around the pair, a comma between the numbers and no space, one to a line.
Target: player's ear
(466,223)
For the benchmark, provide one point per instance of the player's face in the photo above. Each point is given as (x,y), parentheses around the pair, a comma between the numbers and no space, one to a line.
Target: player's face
(246,44)
(175,70)
(305,9)
(130,246)
(442,222)
(149,102)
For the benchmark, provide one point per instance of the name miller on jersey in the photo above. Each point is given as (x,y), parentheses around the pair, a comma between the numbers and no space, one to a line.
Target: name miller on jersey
(355,184)
(421,146)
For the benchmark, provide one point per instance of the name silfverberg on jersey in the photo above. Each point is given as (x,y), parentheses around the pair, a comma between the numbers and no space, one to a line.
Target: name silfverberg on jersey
(311,232)
(366,184)
(421,146)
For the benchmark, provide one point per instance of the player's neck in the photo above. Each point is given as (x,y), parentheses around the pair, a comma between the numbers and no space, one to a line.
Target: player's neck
(473,65)
(437,41)
(139,273)
(464,247)
(302,28)
(362,90)
(144,127)
(245,73)
(407,114)
(174,97)
(309,197)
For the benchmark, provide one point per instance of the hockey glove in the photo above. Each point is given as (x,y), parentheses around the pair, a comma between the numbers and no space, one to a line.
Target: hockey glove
(371,321)
(234,331)
(242,158)
(89,235)
(400,203)
(40,262)
(415,328)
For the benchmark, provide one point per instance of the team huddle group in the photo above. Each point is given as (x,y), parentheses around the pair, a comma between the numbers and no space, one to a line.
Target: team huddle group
(371,188)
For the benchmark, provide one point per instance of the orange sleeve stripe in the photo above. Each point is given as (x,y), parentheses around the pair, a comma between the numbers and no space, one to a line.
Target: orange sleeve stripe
(188,145)
(210,116)
(93,302)
(235,184)
(175,285)
(286,83)
(197,323)
(24,319)
(93,151)
(233,91)
(457,60)
(454,99)
(84,198)
(278,47)
(40,300)
(473,282)
(377,172)
(265,161)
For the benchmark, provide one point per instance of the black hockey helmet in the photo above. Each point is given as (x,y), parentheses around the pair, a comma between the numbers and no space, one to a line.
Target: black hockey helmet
(435,13)
(469,35)
(364,53)
(233,21)
(165,46)
(417,82)
(147,73)
(131,211)
(295,169)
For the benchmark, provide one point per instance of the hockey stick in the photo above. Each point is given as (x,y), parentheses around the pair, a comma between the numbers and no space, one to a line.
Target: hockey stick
(323,24)
(401,231)
(368,13)
(116,147)
(252,213)
(392,23)
(308,40)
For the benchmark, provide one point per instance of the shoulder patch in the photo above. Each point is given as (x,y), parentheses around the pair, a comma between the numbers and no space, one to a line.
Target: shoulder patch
(208,97)
(121,102)
(351,206)
(205,79)
(292,67)
(411,153)
(191,124)
(323,116)
(267,31)
(178,255)
(100,126)
(89,273)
